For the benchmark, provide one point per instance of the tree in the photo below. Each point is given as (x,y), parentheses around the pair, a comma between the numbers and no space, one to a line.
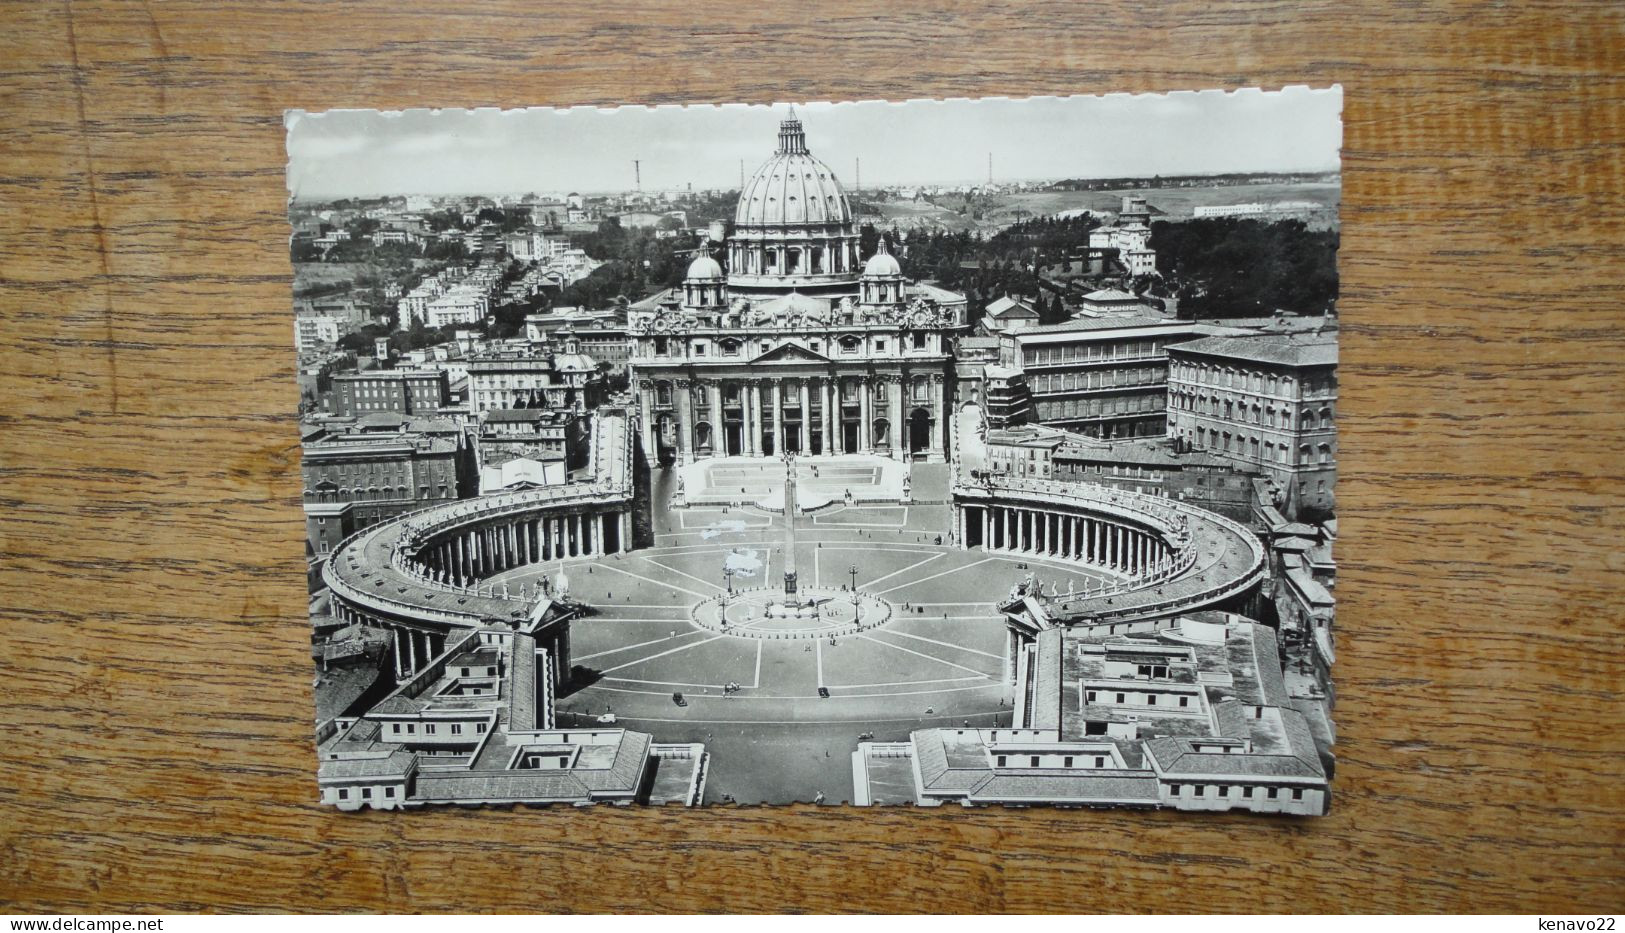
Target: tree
(1225,267)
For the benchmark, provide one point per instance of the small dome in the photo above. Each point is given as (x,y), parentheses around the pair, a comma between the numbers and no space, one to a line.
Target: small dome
(704,268)
(882,263)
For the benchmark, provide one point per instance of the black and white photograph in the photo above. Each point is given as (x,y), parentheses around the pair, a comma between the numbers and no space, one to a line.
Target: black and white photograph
(974,451)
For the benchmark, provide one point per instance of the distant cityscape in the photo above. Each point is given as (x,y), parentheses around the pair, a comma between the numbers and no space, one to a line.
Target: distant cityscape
(1019,492)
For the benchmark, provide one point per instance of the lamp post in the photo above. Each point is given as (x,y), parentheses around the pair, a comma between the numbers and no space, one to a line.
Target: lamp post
(728,577)
(853,570)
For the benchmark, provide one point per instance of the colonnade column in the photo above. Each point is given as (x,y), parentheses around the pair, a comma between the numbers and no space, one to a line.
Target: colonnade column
(899,437)
(685,421)
(1011,653)
(865,413)
(827,415)
(651,444)
(939,417)
(775,402)
(719,434)
(805,440)
(753,390)
(747,417)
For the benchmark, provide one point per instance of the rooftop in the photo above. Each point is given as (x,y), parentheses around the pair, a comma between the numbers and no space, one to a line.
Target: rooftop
(1051,333)
(1282,349)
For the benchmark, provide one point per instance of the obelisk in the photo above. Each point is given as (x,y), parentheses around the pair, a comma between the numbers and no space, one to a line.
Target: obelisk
(790,531)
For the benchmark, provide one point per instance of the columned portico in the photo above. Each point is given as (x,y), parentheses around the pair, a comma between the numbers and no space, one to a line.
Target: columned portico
(801,411)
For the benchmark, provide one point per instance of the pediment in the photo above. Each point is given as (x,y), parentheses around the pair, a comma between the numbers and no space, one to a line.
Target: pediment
(790,353)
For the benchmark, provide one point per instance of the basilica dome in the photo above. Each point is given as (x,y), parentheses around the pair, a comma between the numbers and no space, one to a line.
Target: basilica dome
(792,188)
(793,229)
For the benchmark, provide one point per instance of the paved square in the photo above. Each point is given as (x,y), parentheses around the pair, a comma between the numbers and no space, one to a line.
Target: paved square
(938,658)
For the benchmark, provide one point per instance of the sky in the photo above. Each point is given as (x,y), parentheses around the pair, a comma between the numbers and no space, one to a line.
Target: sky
(360,153)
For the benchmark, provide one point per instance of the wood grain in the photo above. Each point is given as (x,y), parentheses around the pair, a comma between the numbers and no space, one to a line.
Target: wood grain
(155,689)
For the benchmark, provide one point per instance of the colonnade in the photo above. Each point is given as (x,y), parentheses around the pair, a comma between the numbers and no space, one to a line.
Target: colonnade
(411,647)
(830,254)
(836,413)
(1042,533)
(470,554)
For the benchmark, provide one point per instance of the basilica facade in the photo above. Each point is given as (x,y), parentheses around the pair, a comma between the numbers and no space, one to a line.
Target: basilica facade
(799,345)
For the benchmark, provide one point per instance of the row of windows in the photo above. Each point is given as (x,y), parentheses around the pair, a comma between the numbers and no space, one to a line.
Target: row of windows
(1254,413)
(1067,761)
(393,389)
(848,345)
(1246,791)
(529,381)
(1095,379)
(1061,409)
(1126,349)
(371,494)
(366,793)
(1267,451)
(1138,699)
(1255,380)
(429,728)
(377,468)
(1136,472)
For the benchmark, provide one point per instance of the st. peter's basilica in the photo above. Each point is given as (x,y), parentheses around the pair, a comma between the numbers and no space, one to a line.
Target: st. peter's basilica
(799,345)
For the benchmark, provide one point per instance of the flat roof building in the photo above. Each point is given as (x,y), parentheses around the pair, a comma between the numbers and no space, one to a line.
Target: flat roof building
(1102,377)
(1190,713)
(475,726)
(1266,402)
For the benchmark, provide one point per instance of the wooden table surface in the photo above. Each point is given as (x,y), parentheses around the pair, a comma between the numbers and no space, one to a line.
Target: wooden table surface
(154,688)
